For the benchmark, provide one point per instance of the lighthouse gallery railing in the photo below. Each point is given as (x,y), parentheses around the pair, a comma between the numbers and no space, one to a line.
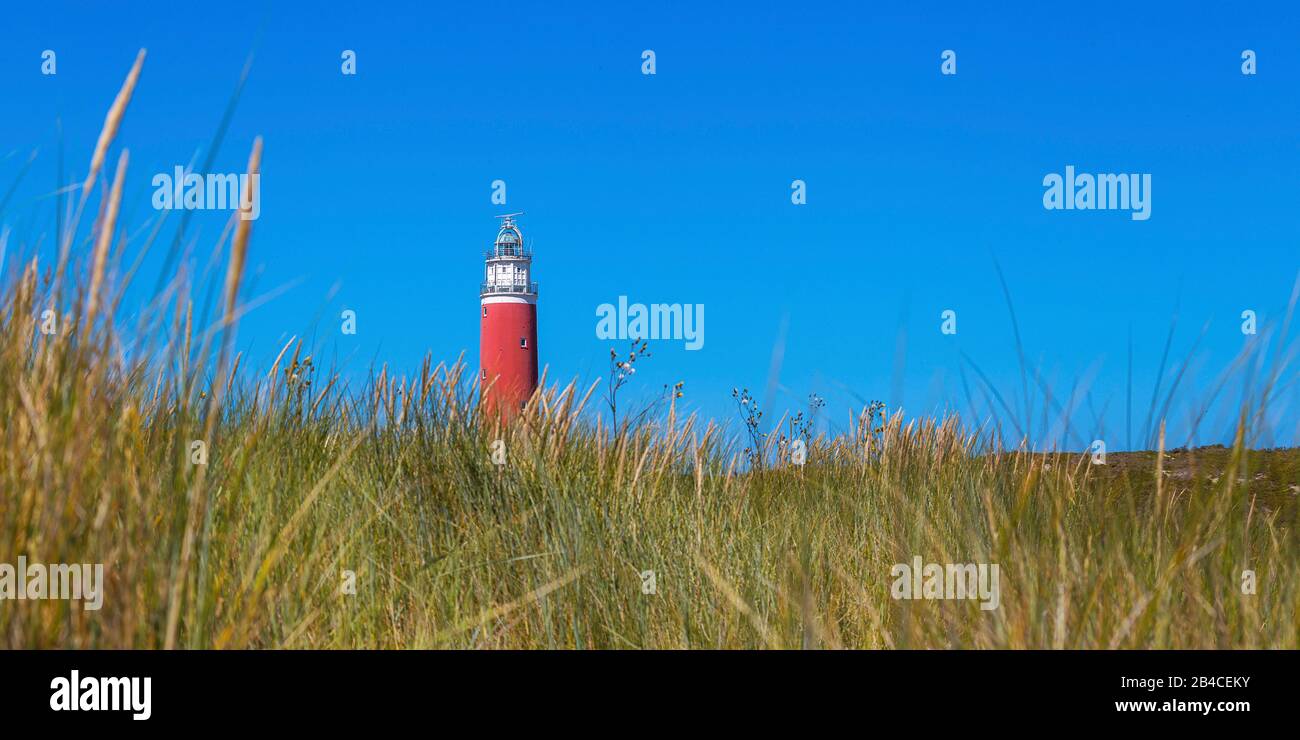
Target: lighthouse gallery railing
(508,288)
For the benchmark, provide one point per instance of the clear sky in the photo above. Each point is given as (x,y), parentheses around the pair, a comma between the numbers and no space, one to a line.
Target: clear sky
(676,187)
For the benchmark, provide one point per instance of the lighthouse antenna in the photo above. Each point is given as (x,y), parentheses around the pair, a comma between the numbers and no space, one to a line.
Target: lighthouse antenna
(508,224)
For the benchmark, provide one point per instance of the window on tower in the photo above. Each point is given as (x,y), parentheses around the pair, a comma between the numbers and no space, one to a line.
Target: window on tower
(523,343)
(485,310)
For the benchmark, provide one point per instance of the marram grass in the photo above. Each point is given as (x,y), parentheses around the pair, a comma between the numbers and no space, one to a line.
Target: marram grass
(306,480)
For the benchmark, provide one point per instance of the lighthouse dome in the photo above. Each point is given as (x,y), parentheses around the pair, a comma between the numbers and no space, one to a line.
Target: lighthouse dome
(509,241)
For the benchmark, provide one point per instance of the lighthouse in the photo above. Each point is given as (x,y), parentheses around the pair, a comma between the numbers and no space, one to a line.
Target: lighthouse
(508,328)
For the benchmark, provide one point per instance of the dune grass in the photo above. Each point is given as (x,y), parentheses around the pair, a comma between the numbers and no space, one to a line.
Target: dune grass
(235,507)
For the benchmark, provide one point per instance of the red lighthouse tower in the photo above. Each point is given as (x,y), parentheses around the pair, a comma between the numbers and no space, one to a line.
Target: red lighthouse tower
(508,332)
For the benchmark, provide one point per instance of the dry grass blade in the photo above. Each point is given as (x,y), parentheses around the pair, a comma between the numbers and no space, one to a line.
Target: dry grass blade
(499,611)
(105,239)
(112,121)
(239,247)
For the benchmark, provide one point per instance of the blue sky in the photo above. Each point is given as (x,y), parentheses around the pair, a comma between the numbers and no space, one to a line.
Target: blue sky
(675,188)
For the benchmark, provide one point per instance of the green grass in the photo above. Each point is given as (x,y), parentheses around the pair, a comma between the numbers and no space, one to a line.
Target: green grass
(394,482)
